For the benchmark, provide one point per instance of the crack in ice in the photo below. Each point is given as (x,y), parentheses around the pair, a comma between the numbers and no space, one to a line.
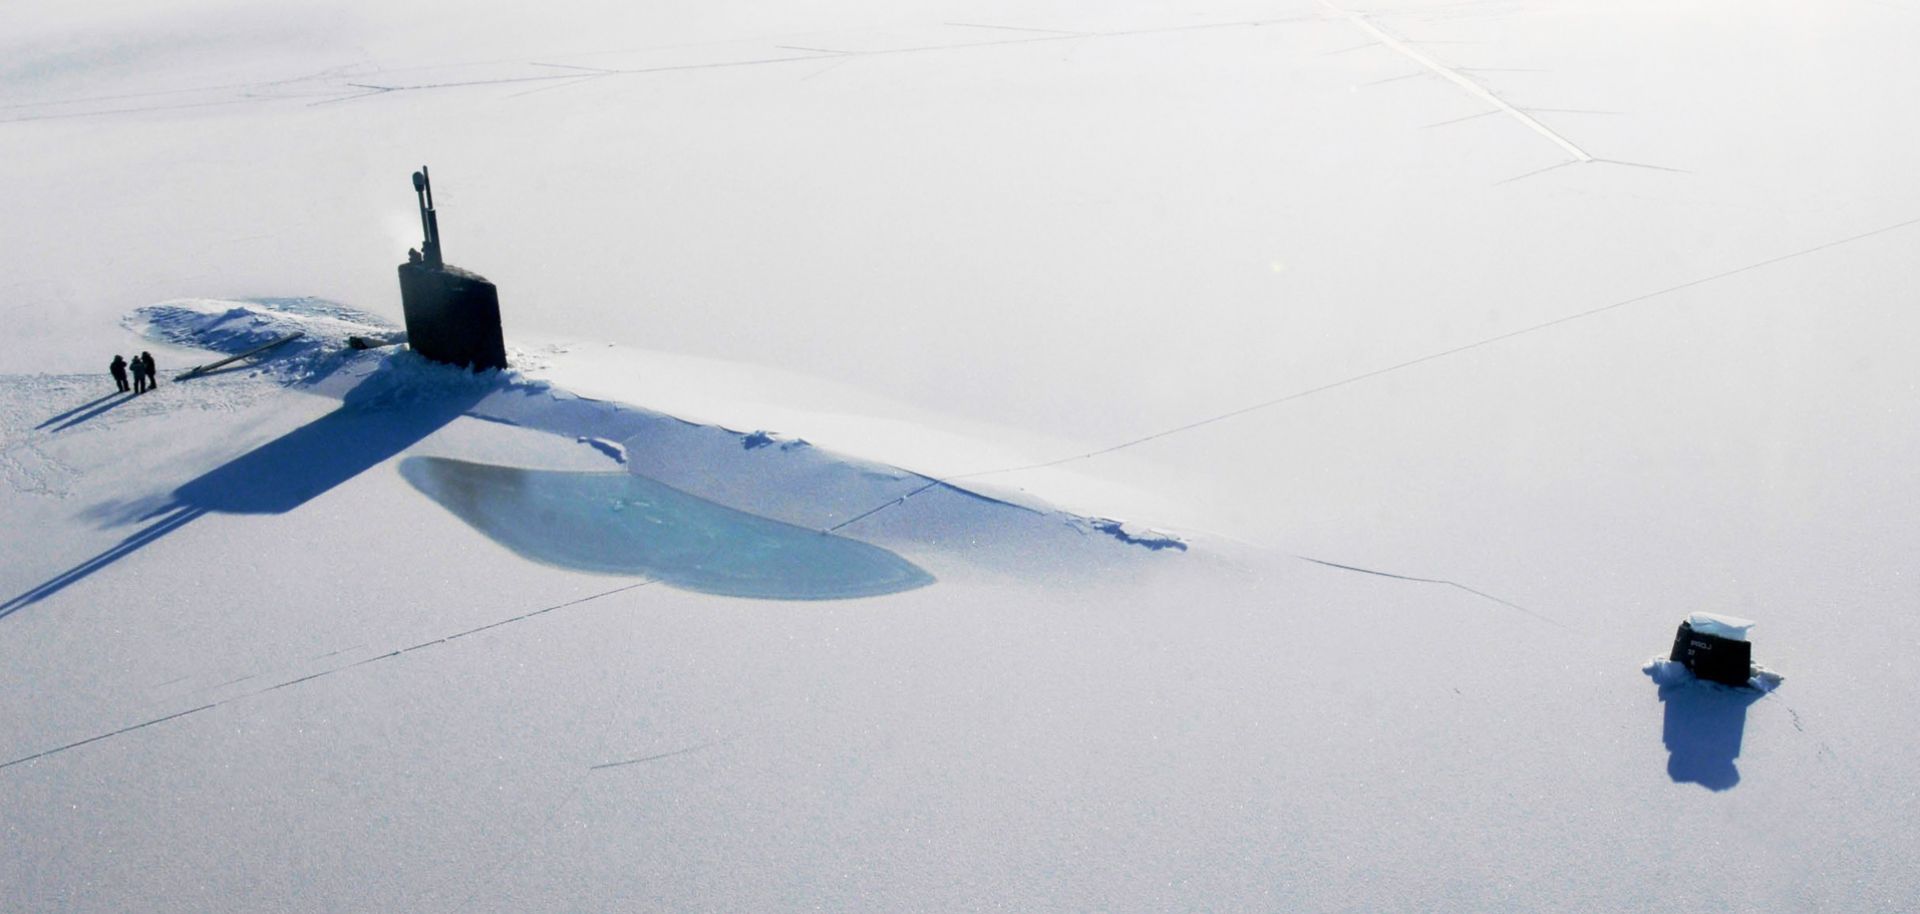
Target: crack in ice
(1453,75)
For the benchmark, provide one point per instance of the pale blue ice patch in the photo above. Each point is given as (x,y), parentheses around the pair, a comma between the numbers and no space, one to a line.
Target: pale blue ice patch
(621,523)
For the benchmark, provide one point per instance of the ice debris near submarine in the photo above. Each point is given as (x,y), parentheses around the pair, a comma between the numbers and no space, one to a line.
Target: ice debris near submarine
(453,315)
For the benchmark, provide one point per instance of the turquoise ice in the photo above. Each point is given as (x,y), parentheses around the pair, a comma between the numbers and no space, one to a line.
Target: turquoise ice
(621,523)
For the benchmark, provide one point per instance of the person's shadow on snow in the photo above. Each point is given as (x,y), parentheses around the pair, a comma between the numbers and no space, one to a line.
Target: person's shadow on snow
(380,417)
(1705,723)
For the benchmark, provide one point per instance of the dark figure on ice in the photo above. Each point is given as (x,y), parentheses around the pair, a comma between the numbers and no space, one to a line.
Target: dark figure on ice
(139,375)
(119,369)
(153,374)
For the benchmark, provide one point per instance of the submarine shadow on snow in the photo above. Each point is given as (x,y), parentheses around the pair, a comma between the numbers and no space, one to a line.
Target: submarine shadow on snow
(375,421)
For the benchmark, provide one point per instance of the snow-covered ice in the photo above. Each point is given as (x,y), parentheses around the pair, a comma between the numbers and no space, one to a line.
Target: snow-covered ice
(1728,627)
(1302,417)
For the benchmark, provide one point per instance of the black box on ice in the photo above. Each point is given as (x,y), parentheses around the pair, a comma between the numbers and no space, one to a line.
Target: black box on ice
(1713,657)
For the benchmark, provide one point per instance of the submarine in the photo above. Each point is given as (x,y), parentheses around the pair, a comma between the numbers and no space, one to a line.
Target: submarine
(452,315)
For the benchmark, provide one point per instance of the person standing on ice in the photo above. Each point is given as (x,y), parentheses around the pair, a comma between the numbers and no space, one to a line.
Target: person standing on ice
(139,375)
(153,374)
(118,368)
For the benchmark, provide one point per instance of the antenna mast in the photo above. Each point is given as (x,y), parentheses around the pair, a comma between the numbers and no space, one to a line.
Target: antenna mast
(429,220)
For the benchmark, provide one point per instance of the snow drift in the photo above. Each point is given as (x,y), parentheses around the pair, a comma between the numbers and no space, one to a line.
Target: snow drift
(392,399)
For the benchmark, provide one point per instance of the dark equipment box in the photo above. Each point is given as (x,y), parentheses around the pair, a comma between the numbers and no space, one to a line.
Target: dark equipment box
(1712,657)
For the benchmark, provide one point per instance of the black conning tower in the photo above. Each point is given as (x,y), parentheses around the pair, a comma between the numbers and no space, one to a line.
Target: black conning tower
(453,315)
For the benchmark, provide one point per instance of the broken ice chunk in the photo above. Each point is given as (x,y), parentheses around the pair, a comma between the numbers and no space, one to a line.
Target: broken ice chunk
(1720,626)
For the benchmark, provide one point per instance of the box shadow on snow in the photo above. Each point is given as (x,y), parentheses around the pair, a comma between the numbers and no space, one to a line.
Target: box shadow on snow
(1703,727)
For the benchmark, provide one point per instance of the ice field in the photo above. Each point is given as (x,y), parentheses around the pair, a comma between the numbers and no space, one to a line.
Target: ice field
(962,456)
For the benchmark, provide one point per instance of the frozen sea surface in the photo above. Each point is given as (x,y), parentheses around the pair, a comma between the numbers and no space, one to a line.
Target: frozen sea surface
(1537,326)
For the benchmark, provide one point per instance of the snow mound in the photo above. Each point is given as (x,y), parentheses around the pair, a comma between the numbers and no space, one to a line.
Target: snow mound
(778,476)
(404,378)
(231,327)
(1665,672)
(783,478)
(1728,627)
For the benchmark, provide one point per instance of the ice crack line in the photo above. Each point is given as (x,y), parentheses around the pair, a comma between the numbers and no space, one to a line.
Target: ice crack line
(1453,75)
(654,758)
(339,669)
(1445,353)
(1455,584)
(1377,372)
